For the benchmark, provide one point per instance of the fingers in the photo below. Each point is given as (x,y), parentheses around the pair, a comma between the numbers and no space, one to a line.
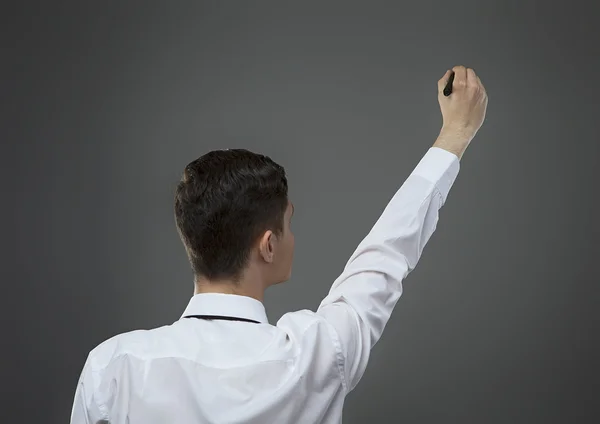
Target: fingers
(460,77)
(463,77)
(471,78)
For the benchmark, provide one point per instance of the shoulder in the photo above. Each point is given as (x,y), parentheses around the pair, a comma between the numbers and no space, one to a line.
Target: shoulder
(299,320)
(135,343)
(316,341)
(307,325)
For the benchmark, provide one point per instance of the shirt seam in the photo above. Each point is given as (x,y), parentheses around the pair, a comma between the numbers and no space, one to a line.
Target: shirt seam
(96,378)
(338,349)
(339,355)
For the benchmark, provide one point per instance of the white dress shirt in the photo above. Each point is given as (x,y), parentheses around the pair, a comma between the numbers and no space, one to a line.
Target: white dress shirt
(197,371)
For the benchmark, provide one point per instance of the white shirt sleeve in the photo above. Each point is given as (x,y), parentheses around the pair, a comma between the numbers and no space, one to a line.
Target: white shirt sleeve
(362,298)
(85,409)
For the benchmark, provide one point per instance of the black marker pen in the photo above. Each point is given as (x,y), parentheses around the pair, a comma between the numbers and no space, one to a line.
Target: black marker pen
(448,89)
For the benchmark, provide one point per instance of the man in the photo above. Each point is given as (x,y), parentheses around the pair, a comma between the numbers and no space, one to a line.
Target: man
(222,362)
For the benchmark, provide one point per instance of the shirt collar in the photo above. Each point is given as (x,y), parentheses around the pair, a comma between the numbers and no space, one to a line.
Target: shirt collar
(232,305)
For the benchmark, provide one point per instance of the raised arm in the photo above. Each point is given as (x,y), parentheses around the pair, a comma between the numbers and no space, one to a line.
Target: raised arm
(362,298)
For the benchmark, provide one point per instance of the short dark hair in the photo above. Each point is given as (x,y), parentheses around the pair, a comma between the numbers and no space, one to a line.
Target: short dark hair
(225,201)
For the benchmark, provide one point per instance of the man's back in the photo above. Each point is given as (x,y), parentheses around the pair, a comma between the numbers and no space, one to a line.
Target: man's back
(220,371)
(222,362)
(226,372)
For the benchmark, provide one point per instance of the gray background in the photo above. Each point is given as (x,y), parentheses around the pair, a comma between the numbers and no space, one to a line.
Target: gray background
(105,103)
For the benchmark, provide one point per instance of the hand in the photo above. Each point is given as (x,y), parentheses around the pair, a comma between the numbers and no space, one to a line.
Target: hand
(463,111)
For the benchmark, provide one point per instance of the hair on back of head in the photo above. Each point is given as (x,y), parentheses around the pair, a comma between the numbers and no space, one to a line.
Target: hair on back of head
(224,202)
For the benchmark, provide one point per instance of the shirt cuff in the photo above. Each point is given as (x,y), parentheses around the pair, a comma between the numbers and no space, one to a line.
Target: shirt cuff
(440,167)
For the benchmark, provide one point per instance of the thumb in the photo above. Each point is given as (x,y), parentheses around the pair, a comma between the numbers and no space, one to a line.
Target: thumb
(444,81)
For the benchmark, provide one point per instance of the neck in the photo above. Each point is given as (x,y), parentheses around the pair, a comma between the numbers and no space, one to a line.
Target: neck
(251,287)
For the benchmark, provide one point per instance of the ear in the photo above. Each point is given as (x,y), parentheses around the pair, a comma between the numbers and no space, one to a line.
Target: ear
(266,246)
